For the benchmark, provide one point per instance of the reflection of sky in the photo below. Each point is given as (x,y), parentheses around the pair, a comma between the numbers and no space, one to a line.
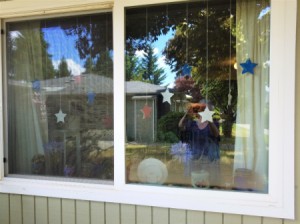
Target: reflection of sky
(62,45)
(159,46)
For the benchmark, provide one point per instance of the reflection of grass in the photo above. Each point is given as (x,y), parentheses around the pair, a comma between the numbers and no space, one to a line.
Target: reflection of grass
(159,151)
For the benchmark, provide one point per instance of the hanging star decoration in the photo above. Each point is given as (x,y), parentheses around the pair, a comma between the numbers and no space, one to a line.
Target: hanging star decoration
(91,97)
(167,96)
(60,116)
(146,111)
(248,67)
(206,115)
(36,85)
(186,70)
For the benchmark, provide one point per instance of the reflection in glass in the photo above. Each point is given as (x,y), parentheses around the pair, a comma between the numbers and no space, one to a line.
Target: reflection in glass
(197,77)
(60,97)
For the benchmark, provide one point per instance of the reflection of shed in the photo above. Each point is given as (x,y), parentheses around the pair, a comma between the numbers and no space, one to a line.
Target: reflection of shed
(141,109)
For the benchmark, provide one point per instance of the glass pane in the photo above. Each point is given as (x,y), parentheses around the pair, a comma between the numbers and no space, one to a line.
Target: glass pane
(60,97)
(197,96)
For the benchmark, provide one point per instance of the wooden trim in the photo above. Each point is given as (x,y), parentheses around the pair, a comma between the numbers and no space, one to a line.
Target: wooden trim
(47,8)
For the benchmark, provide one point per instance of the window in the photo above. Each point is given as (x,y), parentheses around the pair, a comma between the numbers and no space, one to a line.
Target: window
(209,63)
(199,114)
(59,81)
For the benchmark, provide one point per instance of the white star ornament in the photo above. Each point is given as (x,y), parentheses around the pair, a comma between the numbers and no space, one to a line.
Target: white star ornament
(207,115)
(60,116)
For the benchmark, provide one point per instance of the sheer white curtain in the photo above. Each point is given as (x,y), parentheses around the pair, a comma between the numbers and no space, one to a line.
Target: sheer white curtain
(27,126)
(251,144)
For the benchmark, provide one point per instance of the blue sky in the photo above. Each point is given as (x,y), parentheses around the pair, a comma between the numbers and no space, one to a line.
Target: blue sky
(62,45)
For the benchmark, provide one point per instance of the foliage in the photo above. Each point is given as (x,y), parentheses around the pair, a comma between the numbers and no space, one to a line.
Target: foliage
(184,84)
(168,127)
(94,34)
(63,70)
(133,67)
(149,67)
(145,69)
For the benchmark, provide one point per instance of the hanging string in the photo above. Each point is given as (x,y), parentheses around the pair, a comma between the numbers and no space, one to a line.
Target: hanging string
(147,39)
(59,53)
(90,50)
(206,97)
(230,39)
(187,34)
(107,58)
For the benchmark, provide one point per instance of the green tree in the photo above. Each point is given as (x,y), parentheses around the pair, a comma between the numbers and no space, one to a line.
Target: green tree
(149,68)
(63,70)
(133,67)
(104,64)
(89,66)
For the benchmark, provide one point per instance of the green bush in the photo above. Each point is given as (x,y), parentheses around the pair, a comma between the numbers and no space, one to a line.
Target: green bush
(168,127)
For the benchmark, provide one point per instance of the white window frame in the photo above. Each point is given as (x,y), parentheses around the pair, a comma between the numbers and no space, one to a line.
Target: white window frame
(279,202)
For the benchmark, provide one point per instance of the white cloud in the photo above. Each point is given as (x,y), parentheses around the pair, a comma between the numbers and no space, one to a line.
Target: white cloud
(140,53)
(161,62)
(155,50)
(75,68)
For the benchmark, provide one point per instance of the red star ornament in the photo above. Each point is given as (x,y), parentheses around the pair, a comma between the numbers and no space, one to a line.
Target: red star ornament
(146,111)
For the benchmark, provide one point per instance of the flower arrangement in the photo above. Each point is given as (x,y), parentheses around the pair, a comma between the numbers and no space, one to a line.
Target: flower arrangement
(182,153)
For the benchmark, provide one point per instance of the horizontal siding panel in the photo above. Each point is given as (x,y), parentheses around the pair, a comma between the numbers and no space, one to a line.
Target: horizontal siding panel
(143,215)
(160,215)
(4,208)
(54,210)
(15,209)
(97,213)
(177,216)
(68,211)
(82,212)
(112,213)
(128,214)
(41,210)
(28,208)
(195,217)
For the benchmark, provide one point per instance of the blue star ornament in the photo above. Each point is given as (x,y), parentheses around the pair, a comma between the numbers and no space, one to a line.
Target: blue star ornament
(186,70)
(248,67)
(36,85)
(91,97)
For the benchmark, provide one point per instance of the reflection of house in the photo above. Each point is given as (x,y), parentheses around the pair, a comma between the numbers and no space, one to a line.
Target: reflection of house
(86,99)
(141,110)
(88,102)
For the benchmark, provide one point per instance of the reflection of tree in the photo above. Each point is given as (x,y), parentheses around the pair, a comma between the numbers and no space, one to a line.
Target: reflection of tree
(145,69)
(89,65)
(94,41)
(28,58)
(209,56)
(63,70)
(132,67)
(205,48)
(151,72)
